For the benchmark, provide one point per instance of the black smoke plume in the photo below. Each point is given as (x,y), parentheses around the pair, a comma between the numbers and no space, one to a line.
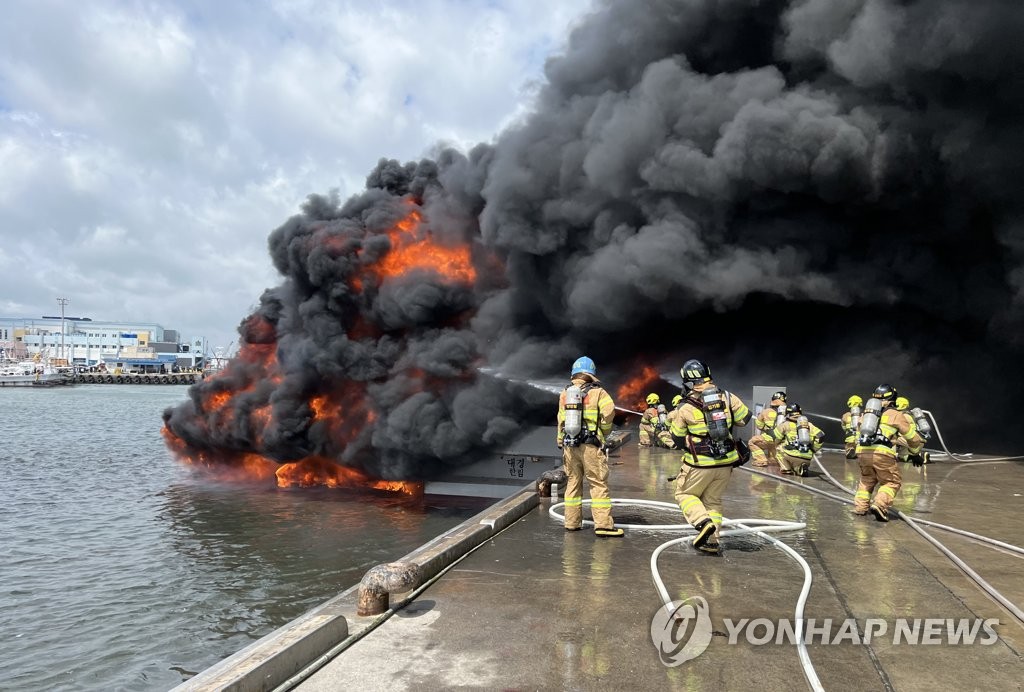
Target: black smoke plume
(823,194)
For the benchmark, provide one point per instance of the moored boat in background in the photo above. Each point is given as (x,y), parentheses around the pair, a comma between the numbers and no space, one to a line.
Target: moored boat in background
(33,373)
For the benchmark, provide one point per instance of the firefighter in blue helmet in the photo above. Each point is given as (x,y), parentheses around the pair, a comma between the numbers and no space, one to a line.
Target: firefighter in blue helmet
(585,415)
(703,429)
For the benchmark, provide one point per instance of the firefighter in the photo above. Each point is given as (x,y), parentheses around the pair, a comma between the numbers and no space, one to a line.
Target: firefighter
(677,405)
(585,414)
(880,426)
(904,450)
(654,425)
(850,423)
(799,440)
(762,444)
(703,428)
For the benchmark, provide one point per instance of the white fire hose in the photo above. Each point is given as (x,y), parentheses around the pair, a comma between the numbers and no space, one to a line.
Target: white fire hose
(756,527)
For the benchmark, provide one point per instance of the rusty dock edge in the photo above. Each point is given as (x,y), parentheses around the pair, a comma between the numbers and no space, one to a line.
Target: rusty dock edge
(299,648)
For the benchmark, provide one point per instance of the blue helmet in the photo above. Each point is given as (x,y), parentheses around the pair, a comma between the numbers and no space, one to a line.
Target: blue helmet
(584,364)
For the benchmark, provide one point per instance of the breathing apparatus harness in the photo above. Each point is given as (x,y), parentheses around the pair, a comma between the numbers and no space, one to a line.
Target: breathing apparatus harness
(575,432)
(661,424)
(714,405)
(870,426)
(803,435)
(923,426)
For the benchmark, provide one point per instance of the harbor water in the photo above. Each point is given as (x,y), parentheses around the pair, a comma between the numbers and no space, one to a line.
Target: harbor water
(119,569)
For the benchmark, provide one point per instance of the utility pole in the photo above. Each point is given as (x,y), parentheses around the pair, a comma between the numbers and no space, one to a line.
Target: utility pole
(62,302)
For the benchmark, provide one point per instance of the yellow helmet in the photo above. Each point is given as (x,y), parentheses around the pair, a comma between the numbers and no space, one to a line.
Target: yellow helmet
(676,400)
(854,401)
(653,399)
(902,403)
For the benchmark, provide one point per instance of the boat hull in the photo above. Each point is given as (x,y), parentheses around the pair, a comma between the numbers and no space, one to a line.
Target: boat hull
(35,380)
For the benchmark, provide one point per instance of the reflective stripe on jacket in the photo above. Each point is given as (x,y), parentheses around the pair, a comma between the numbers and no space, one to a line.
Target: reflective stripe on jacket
(766,419)
(598,410)
(690,424)
(849,434)
(893,424)
(787,433)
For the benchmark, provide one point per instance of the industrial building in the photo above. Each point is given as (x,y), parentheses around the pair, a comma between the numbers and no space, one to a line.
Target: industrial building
(87,343)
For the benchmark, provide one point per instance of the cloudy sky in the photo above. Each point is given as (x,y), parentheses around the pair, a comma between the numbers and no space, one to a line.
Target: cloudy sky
(147,148)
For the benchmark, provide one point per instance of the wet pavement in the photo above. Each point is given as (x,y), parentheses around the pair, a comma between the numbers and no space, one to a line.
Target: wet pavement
(540,608)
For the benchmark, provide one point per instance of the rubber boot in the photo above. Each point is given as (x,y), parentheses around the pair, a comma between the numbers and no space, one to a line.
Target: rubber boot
(610,533)
(705,530)
(711,548)
(879,512)
(851,453)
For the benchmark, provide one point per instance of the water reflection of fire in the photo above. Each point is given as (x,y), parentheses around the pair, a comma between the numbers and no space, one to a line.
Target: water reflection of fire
(237,405)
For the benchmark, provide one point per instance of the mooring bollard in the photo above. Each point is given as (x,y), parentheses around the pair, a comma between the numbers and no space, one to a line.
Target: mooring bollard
(381,581)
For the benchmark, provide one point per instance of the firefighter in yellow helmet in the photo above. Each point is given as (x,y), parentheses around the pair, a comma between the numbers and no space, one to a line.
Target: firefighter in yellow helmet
(703,428)
(585,415)
(677,405)
(902,452)
(799,440)
(653,424)
(880,426)
(762,444)
(905,451)
(850,423)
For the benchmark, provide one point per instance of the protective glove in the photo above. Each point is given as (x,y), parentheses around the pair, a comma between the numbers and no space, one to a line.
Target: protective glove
(916,459)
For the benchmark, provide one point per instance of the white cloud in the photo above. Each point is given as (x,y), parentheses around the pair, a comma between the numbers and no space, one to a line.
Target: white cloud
(147,148)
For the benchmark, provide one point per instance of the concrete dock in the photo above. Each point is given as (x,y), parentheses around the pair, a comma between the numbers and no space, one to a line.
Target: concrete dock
(537,608)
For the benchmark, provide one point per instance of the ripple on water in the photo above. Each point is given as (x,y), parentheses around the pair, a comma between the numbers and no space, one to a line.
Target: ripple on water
(120,571)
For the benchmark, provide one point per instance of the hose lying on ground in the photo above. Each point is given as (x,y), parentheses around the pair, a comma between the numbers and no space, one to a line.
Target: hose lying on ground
(1011,607)
(756,527)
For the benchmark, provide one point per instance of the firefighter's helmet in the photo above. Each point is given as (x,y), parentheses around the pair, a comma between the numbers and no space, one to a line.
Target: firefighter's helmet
(653,399)
(694,372)
(902,403)
(854,401)
(780,395)
(886,392)
(676,400)
(583,365)
(793,410)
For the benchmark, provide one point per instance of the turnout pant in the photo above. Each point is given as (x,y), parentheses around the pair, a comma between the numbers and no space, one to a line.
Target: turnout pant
(879,470)
(762,450)
(577,462)
(788,462)
(648,436)
(699,492)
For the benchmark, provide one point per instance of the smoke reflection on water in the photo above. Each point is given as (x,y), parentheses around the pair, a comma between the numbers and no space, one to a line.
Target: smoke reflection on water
(121,570)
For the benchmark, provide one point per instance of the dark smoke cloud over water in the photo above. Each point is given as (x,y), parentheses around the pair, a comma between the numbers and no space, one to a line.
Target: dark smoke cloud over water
(824,194)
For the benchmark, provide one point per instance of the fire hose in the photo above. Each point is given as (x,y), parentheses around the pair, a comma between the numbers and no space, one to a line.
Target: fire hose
(756,527)
(966,569)
(938,434)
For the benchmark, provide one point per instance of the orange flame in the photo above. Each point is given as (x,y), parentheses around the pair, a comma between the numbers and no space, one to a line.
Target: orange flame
(315,471)
(411,252)
(635,390)
(306,473)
